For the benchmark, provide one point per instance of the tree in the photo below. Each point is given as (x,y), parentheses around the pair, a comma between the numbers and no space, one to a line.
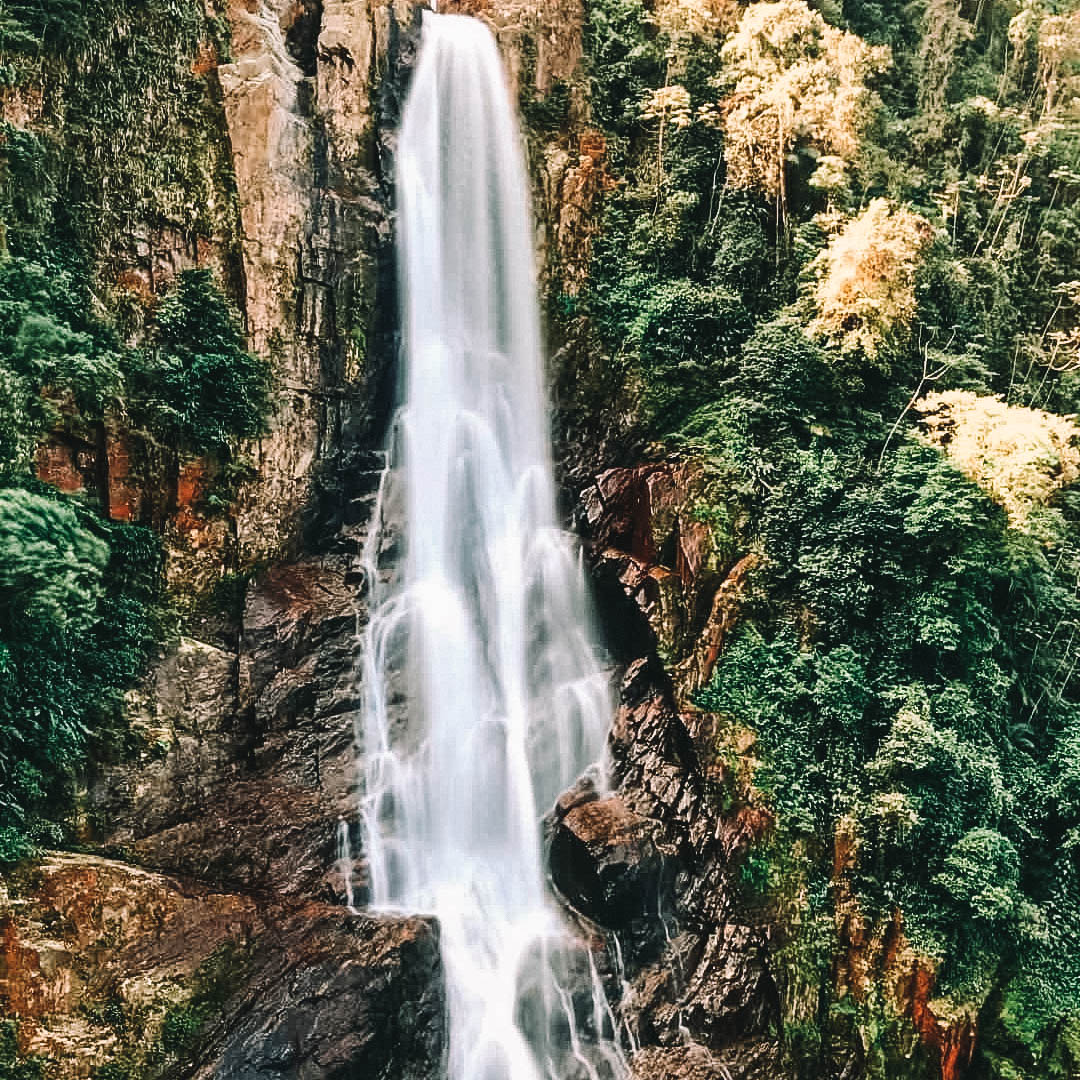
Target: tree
(1020,456)
(201,385)
(791,81)
(865,293)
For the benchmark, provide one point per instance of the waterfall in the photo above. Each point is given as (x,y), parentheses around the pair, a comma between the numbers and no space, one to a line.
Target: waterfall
(484,695)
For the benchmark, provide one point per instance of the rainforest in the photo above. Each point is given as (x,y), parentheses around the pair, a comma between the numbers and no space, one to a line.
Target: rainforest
(539,540)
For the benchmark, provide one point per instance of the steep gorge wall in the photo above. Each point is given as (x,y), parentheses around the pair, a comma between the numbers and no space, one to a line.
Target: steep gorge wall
(227,816)
(219,879)
(222,828)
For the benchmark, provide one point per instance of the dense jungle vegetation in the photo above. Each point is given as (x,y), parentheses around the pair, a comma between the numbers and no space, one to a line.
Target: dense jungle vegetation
(841,257)
(85,350)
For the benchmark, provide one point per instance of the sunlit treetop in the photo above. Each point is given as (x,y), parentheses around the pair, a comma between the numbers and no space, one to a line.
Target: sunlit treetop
(1020,456)
(695,18)
(865,293)
(789,80)
(672,102)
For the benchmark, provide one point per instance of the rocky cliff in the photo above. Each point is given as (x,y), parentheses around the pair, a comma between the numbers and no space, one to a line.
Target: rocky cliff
(207,934)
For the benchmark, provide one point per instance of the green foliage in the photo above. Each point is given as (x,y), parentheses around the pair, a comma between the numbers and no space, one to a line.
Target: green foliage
(53,354)
(981,879)
(195,387)
(685,336)
(907,659)
(199,386)
(904,669)
(215,982)
(78,619)
(13,1065)
(625,60)
(50,566)
(127,102)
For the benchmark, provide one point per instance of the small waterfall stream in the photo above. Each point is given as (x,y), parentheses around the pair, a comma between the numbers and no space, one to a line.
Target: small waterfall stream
(484,695)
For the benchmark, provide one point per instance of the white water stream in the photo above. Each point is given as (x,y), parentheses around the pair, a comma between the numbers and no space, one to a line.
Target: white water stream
(484,695)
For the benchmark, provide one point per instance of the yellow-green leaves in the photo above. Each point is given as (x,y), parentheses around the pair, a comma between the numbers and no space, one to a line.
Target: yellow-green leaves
(1020,457)
(792,80)
(865,293)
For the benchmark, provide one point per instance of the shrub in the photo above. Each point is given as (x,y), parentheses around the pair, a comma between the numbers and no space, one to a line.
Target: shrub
(1021,457)
(51,351)
(200,386)
(77,620)
(865,293)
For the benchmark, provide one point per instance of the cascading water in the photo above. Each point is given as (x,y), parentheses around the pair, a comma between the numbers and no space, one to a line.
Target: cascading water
(484,695)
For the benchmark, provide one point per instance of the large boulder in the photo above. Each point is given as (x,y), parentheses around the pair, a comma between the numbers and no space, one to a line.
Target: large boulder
(106,964)
(603,860)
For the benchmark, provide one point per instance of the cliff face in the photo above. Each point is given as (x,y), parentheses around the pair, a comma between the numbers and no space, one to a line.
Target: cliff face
(209,938)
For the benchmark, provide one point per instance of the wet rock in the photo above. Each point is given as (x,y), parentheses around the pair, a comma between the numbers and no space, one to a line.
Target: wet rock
(184,718)
(701,971)
(649,535)
(249,761)
(724,614)
(730,992)
(74,924)
(357,997)
(745,1060)
(299,627)
(272,148)
(604,861)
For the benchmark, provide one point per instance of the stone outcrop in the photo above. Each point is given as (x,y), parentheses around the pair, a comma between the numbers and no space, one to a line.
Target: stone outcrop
(311,99)
(682,572)
(248,760)
(605,861)
(657,861)
(746,1060)
(233,804)
(104,962)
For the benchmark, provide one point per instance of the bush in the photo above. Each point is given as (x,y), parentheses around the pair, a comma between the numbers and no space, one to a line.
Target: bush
(51,352)
(199,385)
(77,620)
(903,668)
(50,565)
(13,1065)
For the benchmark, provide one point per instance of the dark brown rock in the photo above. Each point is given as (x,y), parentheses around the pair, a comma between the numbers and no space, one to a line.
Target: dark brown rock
(730,994)
(307,991)
(340,996)
(249,762)
(697,966)
(604,861)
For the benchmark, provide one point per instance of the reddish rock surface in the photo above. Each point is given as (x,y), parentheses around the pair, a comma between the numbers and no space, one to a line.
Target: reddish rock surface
(126,494)
(649,530)
(86,940)
(64,464)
